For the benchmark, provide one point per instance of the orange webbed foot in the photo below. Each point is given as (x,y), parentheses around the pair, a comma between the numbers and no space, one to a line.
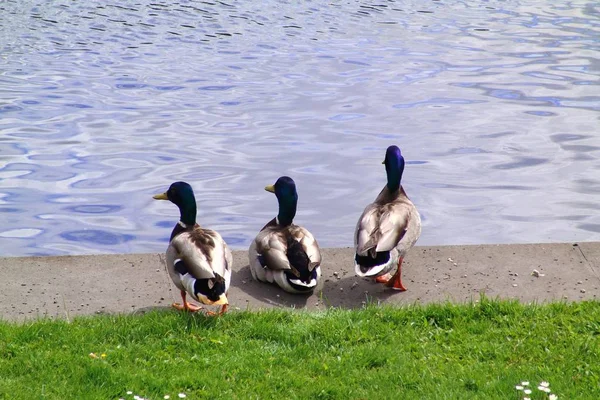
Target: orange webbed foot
(187,307)
(383,278)
(221,312)
(396,281)
(398,285)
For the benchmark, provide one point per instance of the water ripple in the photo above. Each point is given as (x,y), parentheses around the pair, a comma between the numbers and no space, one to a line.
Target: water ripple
(495,105)
(96,237)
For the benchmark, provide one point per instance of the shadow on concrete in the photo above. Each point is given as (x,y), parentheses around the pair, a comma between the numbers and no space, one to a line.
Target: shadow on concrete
(344,292)
(354,292)
(260,294)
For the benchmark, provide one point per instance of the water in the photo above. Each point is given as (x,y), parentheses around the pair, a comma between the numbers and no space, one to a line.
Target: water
(494,104)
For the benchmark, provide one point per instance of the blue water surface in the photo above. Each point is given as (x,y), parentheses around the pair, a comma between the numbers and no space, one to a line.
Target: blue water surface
(495,105)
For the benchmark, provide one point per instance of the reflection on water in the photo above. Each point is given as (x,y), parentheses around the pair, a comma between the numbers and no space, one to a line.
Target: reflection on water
(495,105)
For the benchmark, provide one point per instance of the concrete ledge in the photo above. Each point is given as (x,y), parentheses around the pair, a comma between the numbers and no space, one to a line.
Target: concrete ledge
(66,286)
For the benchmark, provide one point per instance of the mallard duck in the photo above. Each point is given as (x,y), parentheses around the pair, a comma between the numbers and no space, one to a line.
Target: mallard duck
(282,252)
(387,228)
(198,259)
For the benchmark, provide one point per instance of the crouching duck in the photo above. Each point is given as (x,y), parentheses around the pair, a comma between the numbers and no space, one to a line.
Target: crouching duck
(198,259)
(282,252)
(387,228)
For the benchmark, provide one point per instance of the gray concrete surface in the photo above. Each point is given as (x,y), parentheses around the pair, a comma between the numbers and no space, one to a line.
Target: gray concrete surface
(67,286)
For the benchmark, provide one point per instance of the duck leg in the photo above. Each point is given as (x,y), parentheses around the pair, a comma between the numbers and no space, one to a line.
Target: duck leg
(396,281)
(185,306)
(221,312)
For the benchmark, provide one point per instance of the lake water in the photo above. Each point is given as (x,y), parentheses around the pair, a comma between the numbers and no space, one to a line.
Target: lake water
(495,105)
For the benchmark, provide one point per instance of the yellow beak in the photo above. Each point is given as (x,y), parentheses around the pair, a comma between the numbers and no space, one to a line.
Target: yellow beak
(222,300)
(162,196)
(270,188)
(204,300)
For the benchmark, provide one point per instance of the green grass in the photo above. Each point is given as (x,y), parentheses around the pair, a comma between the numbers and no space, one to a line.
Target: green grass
(473,351)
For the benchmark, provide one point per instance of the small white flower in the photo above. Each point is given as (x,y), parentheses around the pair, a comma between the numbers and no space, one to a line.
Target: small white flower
(136,397)
(525,383)
(547,390)
(544,384)
(553,397)
(526,398)
(167,397)
(541,388)
(527,391)
(519,387)
(129,392)
(182,395)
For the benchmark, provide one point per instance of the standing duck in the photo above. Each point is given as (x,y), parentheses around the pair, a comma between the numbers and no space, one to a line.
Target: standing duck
(282,252)
(198,259)
(387,228)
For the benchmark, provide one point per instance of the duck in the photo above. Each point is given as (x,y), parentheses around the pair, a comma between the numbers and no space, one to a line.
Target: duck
(198,260)
(388,228)
(282,252)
